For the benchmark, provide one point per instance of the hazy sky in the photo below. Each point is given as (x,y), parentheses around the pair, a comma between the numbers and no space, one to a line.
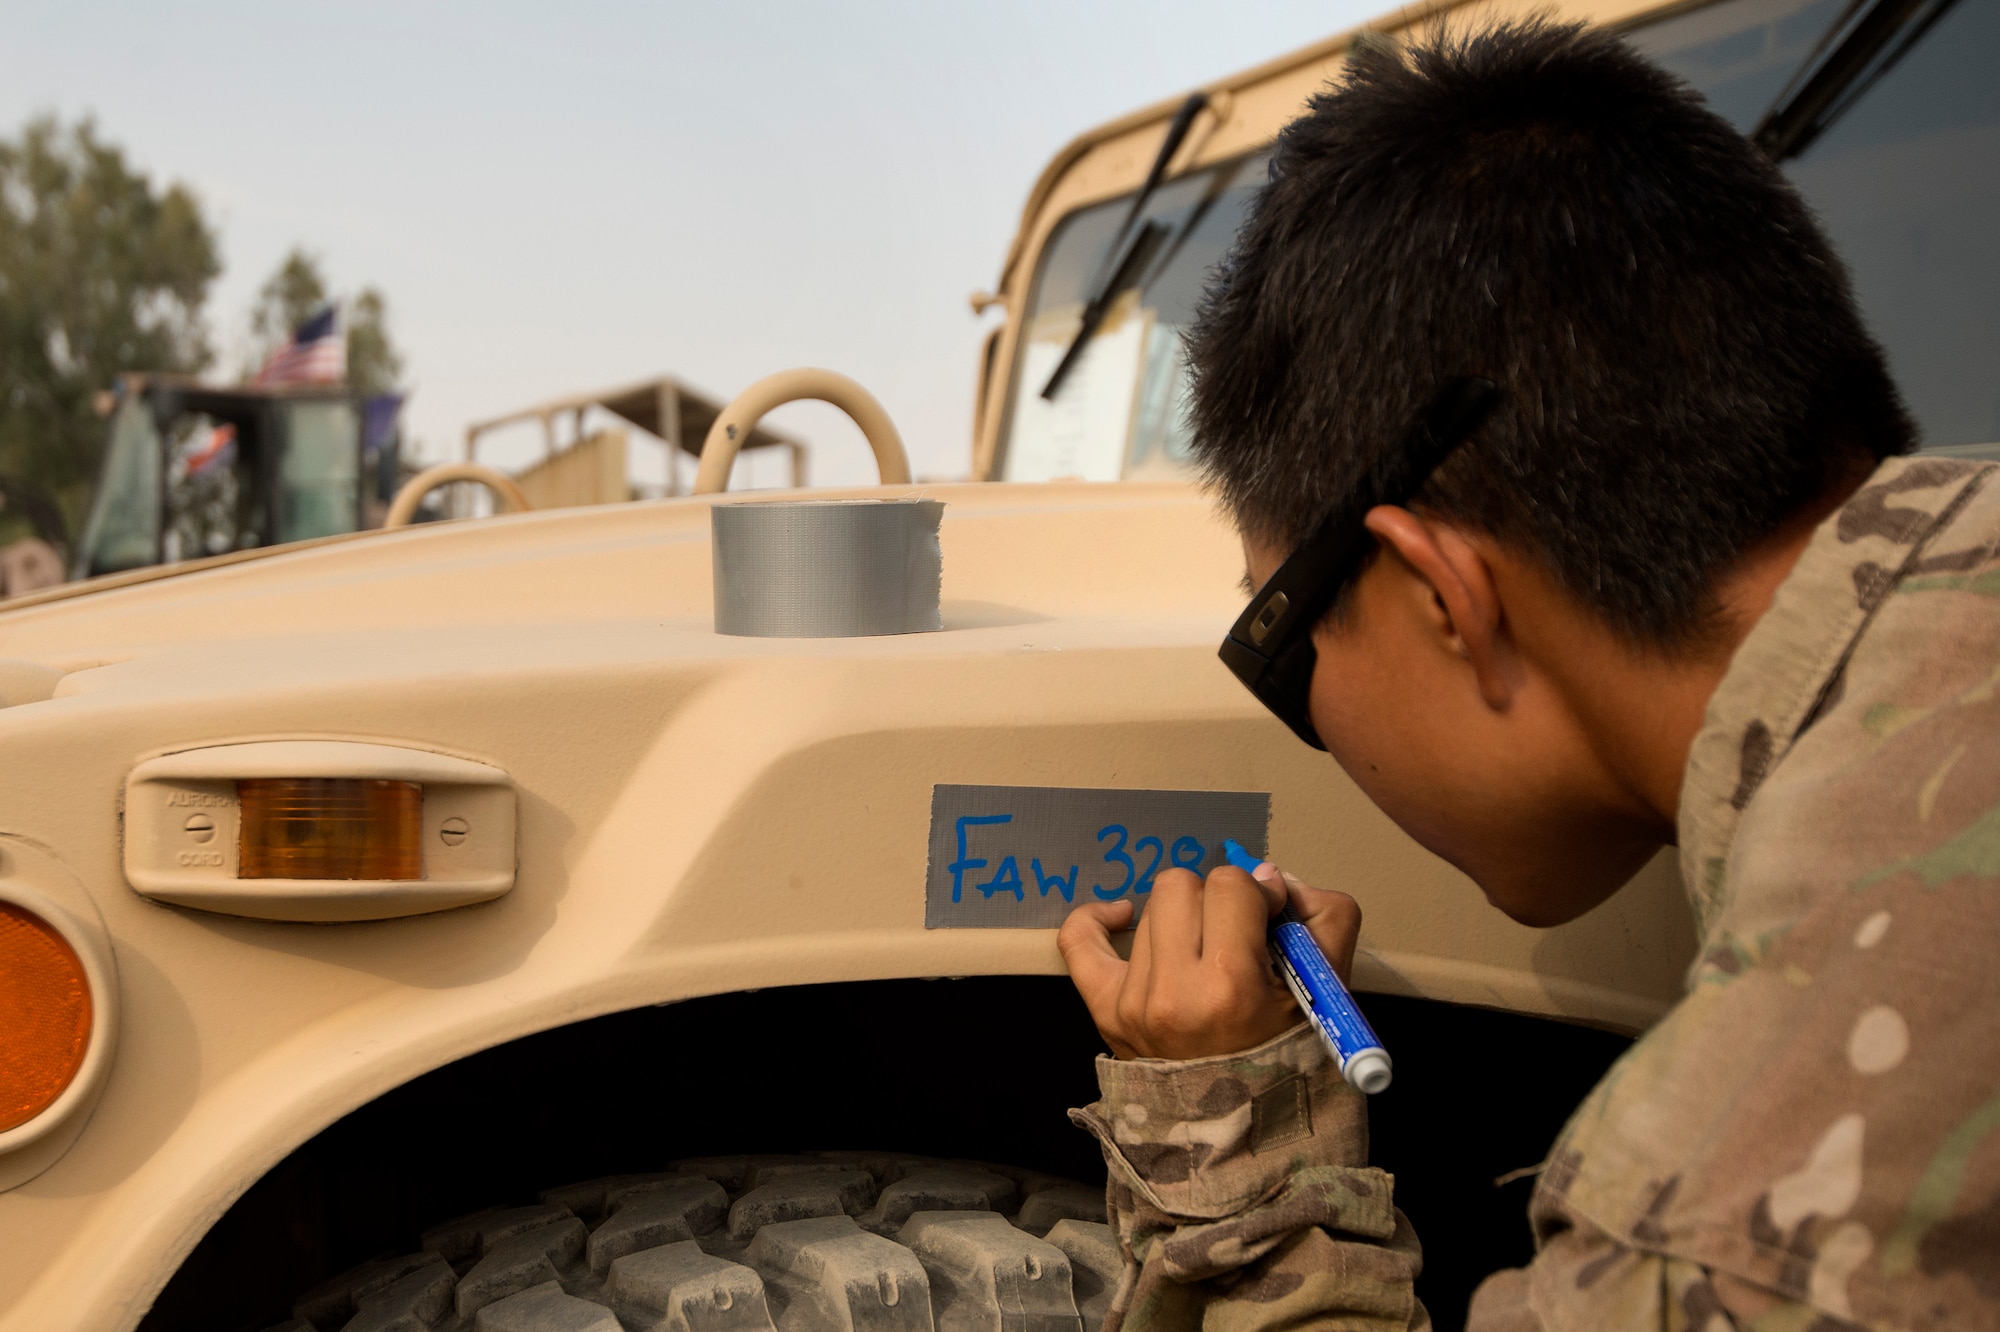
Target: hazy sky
(558,198)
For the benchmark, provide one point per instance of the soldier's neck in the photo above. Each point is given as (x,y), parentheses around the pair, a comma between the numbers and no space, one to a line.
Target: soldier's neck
(1643,708)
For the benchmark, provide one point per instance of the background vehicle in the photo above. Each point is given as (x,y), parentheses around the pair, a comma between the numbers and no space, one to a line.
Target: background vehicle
(703,926)
(193,470)
(594,466)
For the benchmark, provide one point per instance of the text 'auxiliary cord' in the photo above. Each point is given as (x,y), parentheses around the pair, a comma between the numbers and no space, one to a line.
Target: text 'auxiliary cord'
(1322,998)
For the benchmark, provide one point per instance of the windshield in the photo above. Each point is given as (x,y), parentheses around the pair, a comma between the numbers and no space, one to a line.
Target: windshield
(319,481)
(123,530)
(1118,410)
(1907,184)
(204,489)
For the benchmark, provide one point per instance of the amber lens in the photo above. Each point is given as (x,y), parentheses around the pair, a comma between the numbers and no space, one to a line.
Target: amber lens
(329,828)
(44,1015)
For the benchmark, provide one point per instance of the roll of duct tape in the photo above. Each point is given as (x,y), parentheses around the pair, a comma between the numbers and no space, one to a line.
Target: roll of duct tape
(826,568)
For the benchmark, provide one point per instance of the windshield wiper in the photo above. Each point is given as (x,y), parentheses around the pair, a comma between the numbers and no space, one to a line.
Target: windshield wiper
(1119,275)
(1218,186)
(1873,36)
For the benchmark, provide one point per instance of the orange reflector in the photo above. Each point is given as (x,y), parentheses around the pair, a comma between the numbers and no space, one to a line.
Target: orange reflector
(329,828)
(44,1013)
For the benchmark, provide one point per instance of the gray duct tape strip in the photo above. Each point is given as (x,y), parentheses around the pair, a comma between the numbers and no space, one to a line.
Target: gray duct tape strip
(826,568)
(1023,857)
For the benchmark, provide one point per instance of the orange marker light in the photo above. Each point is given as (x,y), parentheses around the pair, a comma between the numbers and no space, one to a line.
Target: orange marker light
(44,1013)
(330,828)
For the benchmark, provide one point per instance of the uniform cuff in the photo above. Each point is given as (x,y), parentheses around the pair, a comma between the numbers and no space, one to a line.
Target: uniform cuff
(1203,1139)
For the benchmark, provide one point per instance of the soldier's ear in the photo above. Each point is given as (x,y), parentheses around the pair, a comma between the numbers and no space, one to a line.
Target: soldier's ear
(1454,594)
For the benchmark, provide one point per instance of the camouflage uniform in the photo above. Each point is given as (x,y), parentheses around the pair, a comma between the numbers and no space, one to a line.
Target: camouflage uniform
(1810,1140)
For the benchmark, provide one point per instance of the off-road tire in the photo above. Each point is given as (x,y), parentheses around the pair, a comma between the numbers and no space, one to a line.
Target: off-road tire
(867,1241)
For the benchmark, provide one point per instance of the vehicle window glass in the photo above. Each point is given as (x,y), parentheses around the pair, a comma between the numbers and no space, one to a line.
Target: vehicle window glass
(1739,53)
(1907,184)
(123,530)
(1119,411)
(320,478)
(204,490)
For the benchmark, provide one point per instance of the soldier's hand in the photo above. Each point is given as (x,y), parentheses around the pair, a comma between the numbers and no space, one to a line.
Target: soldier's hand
(1200,981)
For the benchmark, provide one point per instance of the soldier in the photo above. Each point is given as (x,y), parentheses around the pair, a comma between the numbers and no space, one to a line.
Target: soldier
(1679,585)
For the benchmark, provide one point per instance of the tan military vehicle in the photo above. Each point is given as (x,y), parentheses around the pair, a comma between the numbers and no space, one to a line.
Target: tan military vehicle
(448,928)
(594,465)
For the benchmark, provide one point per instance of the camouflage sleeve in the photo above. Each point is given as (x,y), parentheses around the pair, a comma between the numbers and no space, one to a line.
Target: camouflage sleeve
(1582,1280)
(1241,1196)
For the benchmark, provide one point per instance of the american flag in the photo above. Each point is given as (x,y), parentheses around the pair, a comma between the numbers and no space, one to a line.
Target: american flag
(316,353)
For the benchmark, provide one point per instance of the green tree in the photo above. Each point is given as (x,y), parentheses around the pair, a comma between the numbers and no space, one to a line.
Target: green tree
(290,296)
(373,363)
(101,273)
(297,291)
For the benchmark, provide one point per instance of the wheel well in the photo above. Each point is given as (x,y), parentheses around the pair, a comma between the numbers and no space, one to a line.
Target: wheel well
(981,1068)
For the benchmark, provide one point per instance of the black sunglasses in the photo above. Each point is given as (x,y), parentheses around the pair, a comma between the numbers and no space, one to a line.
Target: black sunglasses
(1270,647)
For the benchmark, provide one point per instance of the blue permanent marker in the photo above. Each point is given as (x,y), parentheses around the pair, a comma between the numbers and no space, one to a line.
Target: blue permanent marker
(1322,998)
